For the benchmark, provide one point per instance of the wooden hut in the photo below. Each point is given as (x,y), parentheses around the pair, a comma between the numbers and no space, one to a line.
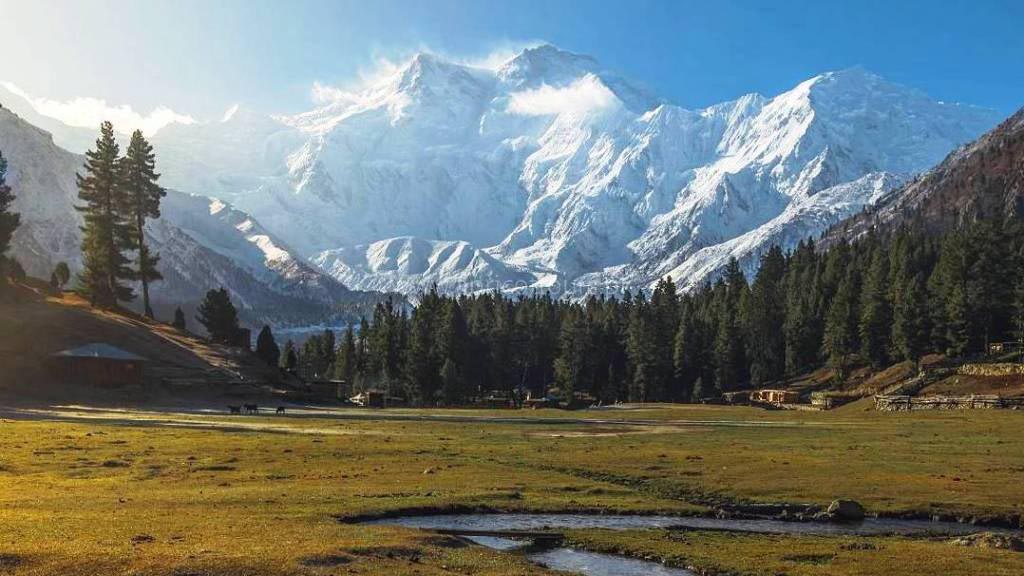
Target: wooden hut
(776,397)
(98,364)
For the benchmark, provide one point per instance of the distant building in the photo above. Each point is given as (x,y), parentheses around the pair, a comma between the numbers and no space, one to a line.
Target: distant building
(98,364)
(377,398)
(738,397)
(328,389)
(998,348)
(775,396)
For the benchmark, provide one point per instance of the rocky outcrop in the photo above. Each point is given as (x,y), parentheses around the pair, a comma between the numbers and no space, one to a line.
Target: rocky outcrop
(845,511)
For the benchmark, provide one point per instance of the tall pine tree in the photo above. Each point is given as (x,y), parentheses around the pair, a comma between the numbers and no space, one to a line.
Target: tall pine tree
(142,201)
(107,232)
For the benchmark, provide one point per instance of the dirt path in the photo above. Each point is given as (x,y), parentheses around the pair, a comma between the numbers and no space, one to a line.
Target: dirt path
(292,423)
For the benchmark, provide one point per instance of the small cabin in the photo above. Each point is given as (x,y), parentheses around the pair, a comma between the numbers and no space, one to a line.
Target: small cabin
(372,398)
(328,389)
(775,396)
(98,364)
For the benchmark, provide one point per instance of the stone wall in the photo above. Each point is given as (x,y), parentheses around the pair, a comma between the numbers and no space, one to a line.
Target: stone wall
(1002,369)
(900,403)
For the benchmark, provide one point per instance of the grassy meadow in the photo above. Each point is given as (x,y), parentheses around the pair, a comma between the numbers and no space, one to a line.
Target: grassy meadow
(88,493)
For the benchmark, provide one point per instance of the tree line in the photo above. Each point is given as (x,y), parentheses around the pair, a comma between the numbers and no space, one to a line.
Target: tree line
(874,302)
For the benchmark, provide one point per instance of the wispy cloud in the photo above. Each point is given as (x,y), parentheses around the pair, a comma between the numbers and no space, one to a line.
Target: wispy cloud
(585,95)
(89,112)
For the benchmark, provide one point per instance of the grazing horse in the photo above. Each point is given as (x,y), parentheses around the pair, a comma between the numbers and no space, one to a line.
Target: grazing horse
(252,409)
(280,409)
(235,409)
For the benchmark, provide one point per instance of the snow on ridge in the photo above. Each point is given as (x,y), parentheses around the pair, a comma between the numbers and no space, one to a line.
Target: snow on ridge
(442,171)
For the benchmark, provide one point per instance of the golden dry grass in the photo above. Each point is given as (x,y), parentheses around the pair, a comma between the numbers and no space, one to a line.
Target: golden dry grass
(120,496)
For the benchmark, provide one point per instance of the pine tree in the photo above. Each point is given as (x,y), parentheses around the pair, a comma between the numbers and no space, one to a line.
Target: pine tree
(345,361)
(990,288)
(218,315)
(63,274)
(910,330)
(840,338)
(802,327)
(570,366)
(289,360)
(641,351)
(665,323)
(765,318)
(325,353)
(266,347)
(179,319)
(875,311)
(142,202)
(688,354)
(107,232)
(1018,310)
(422,364)
(9,220)
(950,311)
(453,337)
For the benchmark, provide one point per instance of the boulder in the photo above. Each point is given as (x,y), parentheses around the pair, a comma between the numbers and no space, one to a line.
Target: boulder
(845,511)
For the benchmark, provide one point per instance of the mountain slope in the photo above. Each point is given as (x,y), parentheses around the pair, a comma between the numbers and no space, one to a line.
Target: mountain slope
(204,243)
(984,179)
(409,265)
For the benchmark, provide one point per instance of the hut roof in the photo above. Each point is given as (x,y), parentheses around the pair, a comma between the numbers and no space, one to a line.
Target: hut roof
(99,350)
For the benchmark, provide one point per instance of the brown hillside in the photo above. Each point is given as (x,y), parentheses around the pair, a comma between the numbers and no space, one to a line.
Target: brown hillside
(982,180)
(180,367)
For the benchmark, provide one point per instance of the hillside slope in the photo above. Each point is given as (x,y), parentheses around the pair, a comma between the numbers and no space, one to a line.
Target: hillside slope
(180,367)
(203,243)
(984,179)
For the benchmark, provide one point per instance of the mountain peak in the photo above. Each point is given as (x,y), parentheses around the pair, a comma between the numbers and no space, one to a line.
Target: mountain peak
(546,64)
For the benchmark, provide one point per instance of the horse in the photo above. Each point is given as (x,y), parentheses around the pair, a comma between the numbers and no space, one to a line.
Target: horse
(235,409)
(252,409)
(280,410)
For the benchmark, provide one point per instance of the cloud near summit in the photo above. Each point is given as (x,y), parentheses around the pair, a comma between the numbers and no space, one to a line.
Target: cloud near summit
(88,112)
(585,95)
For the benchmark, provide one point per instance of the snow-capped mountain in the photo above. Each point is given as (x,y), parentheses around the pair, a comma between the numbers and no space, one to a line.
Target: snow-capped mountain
(408,264)
(554,172)
(204,243)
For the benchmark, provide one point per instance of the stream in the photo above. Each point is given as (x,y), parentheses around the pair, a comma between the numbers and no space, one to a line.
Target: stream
(595,564)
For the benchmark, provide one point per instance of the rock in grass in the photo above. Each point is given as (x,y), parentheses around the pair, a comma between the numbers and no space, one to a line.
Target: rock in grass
(845,511)
(992,540)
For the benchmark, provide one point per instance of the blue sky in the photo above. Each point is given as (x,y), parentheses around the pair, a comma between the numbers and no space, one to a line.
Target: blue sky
(200,57)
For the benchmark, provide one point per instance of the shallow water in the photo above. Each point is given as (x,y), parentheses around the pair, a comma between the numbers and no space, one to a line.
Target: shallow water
(869,526)
(594,564)
(581,561)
